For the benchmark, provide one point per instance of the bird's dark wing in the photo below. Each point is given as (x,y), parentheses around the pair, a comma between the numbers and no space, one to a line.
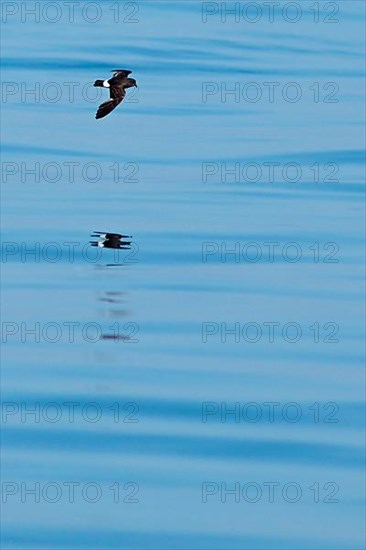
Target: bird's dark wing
(106,108)
(123,73)
(117,93)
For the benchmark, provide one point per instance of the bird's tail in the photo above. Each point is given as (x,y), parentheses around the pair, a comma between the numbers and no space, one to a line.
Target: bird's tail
(98,83)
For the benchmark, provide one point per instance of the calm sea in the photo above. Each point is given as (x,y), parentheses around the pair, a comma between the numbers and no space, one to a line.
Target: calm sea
(202,386)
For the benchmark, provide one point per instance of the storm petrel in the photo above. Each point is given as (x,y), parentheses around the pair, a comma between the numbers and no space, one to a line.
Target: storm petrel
(117,90)
(111,240)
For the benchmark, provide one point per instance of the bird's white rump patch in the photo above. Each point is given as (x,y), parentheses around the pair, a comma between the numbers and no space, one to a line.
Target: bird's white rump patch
(106,84)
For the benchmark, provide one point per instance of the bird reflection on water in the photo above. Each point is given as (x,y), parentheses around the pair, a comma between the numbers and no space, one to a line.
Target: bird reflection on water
(112,240)
(114,307)
(113,299)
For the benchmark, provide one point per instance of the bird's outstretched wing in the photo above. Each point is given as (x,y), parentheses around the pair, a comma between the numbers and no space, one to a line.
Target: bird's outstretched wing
(117,93)
(123,73)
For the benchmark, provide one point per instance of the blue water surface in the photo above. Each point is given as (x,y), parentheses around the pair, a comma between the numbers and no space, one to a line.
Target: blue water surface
(204,388)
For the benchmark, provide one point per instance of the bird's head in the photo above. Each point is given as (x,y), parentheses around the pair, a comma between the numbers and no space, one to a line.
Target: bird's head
(130,83)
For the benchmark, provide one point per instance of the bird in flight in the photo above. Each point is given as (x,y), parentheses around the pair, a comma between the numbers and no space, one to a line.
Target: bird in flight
(117,90)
